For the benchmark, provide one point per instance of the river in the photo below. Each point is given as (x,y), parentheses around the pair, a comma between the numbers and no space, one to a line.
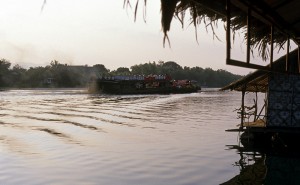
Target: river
(70,137)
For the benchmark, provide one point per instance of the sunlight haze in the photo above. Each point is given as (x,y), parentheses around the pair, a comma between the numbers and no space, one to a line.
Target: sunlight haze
(78,32)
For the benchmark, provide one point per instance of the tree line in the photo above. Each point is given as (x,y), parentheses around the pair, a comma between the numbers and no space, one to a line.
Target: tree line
(59,75)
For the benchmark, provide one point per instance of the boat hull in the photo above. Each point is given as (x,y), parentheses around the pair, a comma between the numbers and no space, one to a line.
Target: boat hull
(137,87)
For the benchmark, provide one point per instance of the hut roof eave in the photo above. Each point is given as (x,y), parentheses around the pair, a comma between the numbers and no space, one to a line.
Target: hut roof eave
(254,82)
(258,80)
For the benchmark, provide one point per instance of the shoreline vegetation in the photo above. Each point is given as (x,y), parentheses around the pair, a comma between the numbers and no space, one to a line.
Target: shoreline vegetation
(58,75)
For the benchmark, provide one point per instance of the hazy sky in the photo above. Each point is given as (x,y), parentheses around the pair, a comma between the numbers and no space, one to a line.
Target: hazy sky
(79,32)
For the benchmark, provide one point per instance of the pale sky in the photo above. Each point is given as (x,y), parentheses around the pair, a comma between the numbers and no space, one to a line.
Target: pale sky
(80,32)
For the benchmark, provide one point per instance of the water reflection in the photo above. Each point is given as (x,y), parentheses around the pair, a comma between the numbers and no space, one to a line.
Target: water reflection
(99,139)
(266,165)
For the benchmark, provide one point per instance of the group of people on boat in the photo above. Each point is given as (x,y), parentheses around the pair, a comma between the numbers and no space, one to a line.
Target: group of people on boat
(183,84)
(137,77)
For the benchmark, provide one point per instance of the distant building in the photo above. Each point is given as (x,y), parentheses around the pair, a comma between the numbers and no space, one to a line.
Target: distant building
(49,81)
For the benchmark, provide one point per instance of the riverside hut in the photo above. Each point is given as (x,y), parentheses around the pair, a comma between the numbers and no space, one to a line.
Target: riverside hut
(266,24)
(280,113)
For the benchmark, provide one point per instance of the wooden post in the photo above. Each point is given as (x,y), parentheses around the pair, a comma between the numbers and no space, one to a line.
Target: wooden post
(266,104)
(248,34)
(243,107)
(263,107)
(298,59)
(287,64)
(228,23)
(255,108)
(272,47)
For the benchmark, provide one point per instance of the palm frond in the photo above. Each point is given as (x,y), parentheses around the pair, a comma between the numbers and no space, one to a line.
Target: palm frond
(211,16)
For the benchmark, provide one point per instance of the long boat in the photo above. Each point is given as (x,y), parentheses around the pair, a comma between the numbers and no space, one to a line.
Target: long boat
(139,84)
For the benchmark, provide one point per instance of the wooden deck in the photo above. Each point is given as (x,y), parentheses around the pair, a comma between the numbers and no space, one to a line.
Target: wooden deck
(259,126)
(260,123)
(257,123)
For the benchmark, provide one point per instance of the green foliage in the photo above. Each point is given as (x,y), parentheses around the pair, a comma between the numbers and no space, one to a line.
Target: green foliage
(63,75)
(4,72)
(53,75)
(101,68)
(146,69)
(121,71)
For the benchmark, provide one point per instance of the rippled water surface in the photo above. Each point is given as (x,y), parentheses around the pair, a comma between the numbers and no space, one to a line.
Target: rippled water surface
(70,137)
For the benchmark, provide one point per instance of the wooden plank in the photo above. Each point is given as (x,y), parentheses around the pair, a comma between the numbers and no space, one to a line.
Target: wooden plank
(266,130)
(257,123)
(235,130)
(275,130)
(247,65)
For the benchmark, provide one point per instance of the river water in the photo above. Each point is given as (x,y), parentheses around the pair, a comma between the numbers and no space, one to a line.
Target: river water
(71,137)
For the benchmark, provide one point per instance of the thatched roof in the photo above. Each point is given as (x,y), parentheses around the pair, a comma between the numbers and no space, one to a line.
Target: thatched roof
(258,80)
(283,14)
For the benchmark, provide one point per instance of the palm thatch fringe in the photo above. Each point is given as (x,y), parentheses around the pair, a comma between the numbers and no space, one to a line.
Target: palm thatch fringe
(43,5)
(209,13)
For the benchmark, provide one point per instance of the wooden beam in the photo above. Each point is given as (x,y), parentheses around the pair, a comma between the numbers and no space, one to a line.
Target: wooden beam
(272,46)
(246,65)
(255,110)
(282,3)
(267,129)
(262,12)
(228,37)
(243,107)
(235,130)
(269,15)
(255,84)
(255,66)
(248,34)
